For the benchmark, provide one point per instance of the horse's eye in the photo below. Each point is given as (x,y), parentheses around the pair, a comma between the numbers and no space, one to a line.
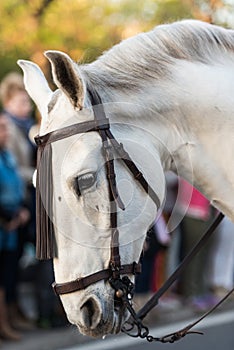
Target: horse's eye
(83,182)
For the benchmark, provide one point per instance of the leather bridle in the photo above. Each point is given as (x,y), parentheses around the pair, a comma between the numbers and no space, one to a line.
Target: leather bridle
(116,273)
(110,146)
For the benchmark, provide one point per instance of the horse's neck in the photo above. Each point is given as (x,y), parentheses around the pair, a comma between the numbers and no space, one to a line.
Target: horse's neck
(191,126)
(204,117)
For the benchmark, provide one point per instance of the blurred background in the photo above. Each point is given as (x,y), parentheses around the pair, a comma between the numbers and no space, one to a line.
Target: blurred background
(86,28)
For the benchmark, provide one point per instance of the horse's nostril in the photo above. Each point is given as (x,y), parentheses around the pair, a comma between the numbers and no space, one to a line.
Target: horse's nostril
(91,313)
(88,308)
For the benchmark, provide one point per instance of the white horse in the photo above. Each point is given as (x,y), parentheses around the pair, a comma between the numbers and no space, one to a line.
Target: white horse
(169,95)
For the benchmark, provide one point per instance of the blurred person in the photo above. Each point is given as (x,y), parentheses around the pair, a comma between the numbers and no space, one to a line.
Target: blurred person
(221,269)
(17,107)
(172,220)
(157,240)
(12,216)
(193,285)
(169,258)
(50,310)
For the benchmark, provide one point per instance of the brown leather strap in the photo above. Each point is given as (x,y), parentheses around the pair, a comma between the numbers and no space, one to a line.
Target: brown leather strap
(74,129)
(133,168)
(175,336)
(114,199)
(82,283)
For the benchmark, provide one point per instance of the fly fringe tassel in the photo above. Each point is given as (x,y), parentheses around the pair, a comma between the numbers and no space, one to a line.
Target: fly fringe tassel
(45,242)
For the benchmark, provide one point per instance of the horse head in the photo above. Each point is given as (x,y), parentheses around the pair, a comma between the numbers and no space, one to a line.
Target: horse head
(81,202)
(167,96)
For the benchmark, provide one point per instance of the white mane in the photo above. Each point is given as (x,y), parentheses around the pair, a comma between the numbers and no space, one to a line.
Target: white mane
(149,56)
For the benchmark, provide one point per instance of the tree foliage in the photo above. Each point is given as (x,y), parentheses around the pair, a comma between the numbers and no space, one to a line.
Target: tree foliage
(86,28)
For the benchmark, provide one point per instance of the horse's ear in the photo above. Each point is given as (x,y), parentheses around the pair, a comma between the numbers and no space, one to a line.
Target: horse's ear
(66,77)
(36,85)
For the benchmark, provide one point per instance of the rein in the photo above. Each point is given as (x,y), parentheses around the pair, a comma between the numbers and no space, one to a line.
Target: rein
(46,244)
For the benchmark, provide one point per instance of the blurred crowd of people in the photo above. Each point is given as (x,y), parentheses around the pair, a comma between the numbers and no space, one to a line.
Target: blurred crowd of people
(208,277)
(17,217)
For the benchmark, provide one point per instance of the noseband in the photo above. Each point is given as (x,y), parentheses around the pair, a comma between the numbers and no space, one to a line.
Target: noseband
(46,244)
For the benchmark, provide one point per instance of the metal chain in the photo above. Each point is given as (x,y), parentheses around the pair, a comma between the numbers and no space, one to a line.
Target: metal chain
(142,331)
